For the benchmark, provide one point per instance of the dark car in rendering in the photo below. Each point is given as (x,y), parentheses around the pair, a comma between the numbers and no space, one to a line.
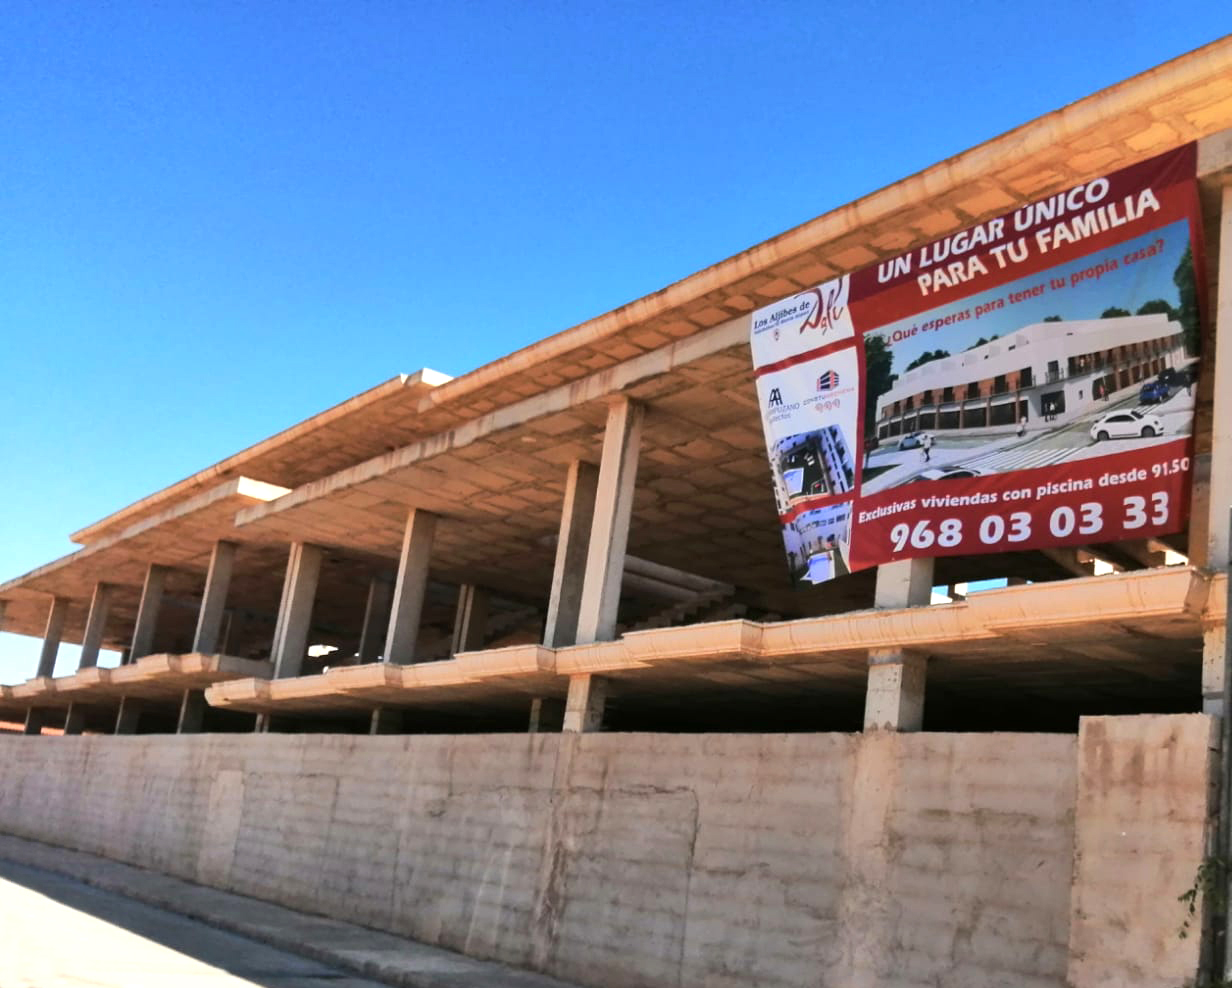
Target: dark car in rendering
(1153,392)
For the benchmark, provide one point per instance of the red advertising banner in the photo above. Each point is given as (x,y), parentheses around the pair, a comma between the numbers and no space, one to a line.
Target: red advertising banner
(1025,383)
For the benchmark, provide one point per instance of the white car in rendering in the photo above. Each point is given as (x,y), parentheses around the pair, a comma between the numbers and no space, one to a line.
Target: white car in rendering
(949,473)
(1127,425)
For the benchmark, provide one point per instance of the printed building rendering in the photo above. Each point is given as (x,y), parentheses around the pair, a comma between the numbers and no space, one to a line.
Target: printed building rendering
(569,662)
(1057,369)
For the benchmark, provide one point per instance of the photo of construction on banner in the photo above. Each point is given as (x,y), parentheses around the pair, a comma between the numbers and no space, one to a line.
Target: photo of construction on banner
(1067,367)
(811,417)
(817,543)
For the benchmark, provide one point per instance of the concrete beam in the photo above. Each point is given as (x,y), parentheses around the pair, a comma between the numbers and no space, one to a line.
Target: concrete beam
(411,585)
(672,576)
(96,625)
(299,590)
(906,583)
(1128,556)
(609,532)
(585,703)
(192,712)
(570,568)
(214,598)
(1067,559)
(376,618)
(147,612)
(657,588)
(56,615)
(895,697)
(470,620)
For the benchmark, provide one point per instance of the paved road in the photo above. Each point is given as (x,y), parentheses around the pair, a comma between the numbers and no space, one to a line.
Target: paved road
(1007,452)
(56,932)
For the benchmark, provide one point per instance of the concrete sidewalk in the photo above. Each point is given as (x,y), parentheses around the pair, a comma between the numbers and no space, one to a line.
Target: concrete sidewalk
(381,956)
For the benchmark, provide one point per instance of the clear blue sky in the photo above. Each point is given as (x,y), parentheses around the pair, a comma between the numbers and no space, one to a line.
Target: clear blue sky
(217,219)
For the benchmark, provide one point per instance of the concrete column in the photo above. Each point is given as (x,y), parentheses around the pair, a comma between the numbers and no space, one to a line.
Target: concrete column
(895,697)
(1214,641)
(545,712)
(96,624)
(385,720)
(299,589)
(35,719)
(128,716)
(609,532)
(192,712)
(584,706)
(214,598)
(75,719)
(376,618)
(51,637)
(906,583)
(471,619)
(570,569)
(410,587)
(147,612)
(1213,504)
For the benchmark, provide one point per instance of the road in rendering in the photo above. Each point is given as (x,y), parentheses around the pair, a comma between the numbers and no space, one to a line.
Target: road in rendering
(1042,448)
(59,933)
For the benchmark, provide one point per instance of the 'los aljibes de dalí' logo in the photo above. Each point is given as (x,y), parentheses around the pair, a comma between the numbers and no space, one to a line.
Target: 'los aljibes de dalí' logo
(1025,383)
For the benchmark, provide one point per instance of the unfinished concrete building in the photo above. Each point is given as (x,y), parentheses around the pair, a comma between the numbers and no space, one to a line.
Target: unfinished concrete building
(559,580)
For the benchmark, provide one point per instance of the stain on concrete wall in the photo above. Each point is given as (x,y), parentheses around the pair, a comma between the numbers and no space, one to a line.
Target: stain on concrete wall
(1143,805)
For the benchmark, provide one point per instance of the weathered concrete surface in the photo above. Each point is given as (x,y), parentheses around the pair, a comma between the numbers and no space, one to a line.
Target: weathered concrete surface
(1143,801)
(617,860)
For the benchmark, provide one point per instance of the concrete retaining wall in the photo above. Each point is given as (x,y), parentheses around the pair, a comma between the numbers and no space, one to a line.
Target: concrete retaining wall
(616,859)
(1141,826)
